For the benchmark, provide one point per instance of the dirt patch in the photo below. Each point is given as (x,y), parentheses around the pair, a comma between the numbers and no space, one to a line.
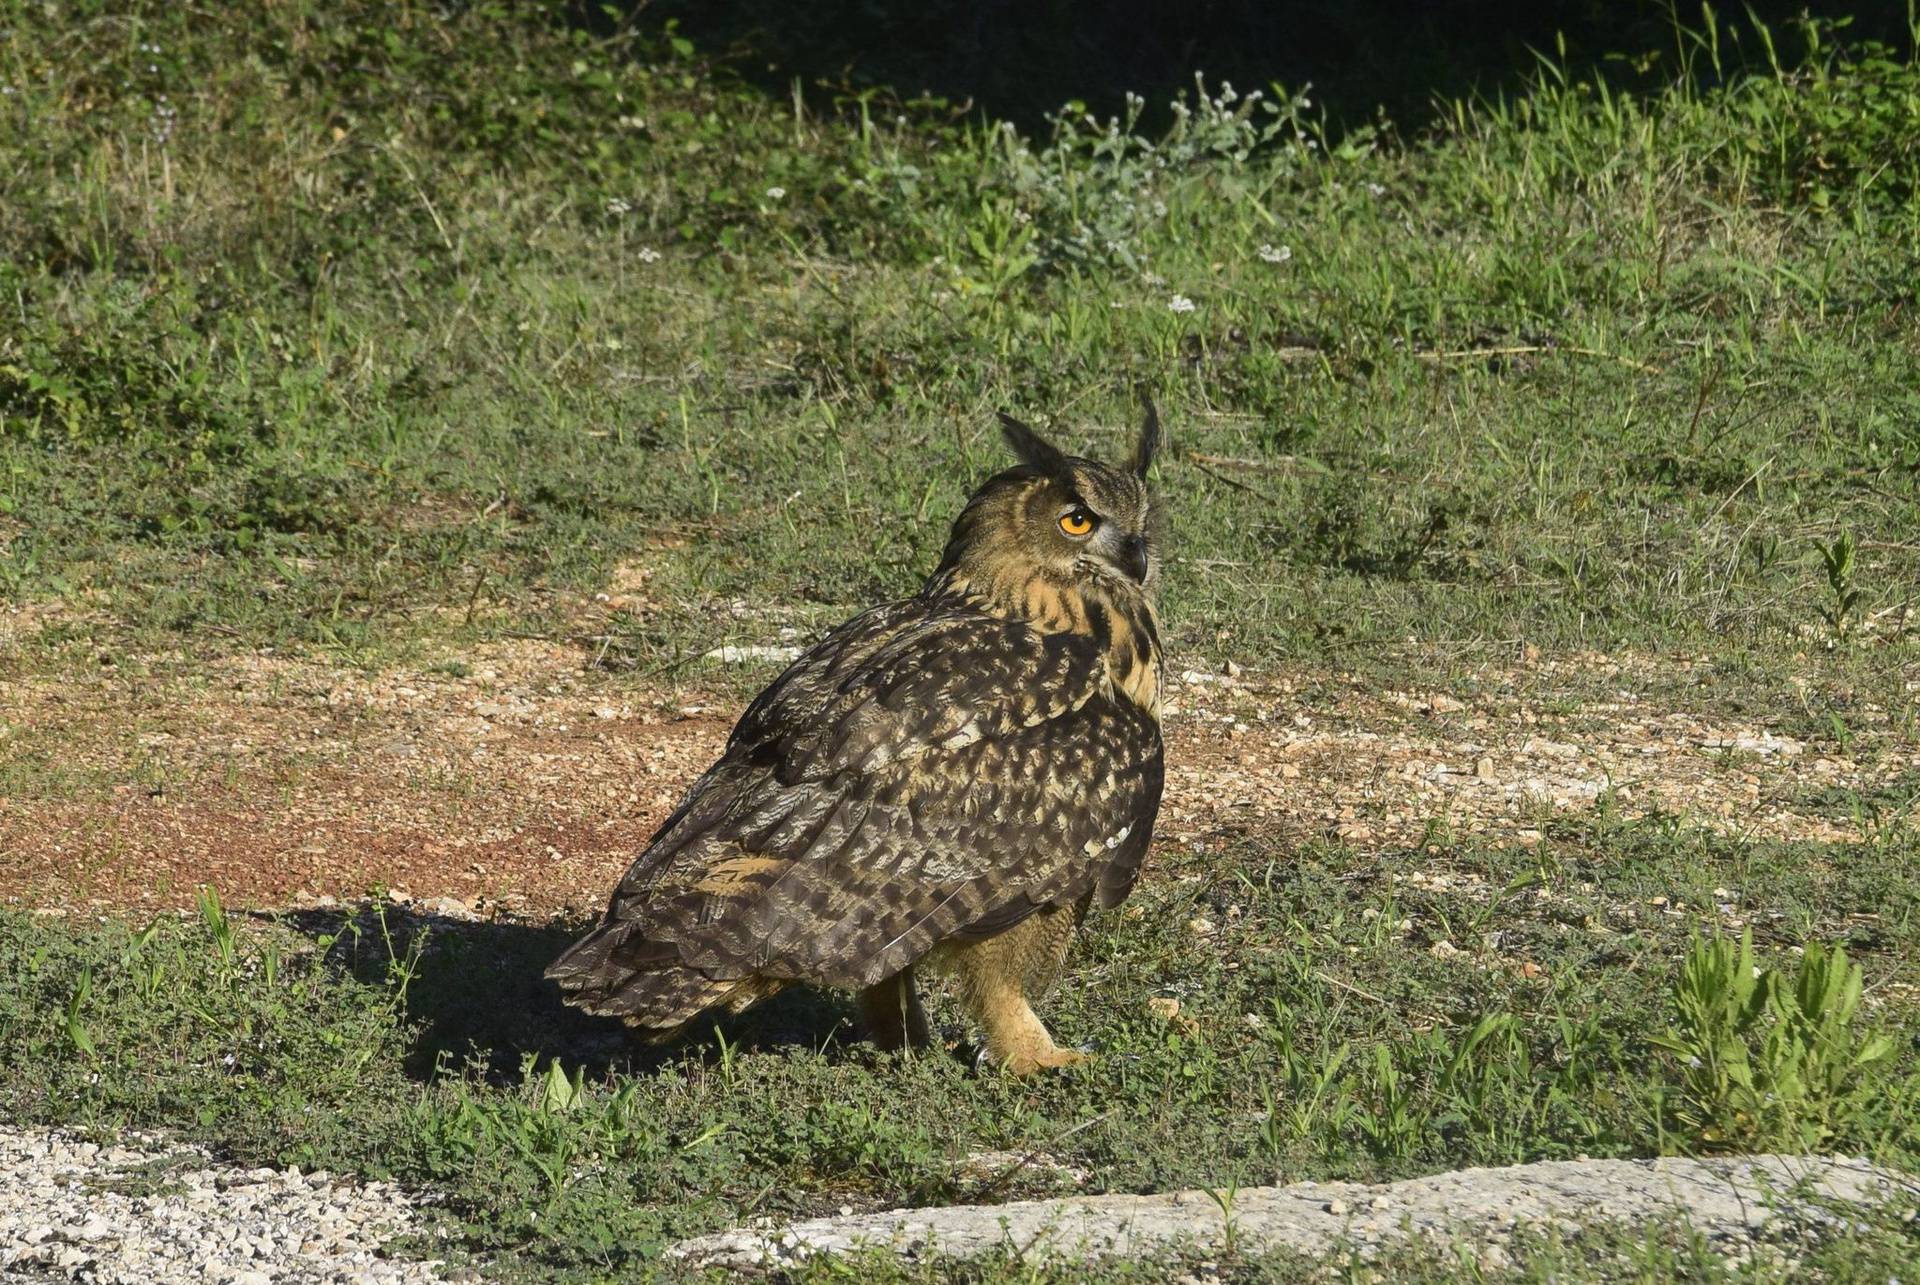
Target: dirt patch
(1336,756)
(517,780)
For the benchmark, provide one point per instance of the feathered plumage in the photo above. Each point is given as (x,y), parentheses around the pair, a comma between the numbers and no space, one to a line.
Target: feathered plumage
(932,775)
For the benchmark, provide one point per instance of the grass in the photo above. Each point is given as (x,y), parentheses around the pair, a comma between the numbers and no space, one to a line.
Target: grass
(378,332)
(1321,1032)
(362,331)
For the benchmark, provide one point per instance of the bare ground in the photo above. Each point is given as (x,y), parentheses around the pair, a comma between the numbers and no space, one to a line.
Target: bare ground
(521,781)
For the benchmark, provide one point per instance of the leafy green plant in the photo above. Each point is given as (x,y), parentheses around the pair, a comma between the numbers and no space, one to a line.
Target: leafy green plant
(1838,558)
(1096,188)
(1313,1098)
(1769,1057)
(1226,1197)
(76,1029)
(213,917)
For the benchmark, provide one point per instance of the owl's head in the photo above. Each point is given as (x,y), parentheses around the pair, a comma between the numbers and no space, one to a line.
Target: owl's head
(1062,517)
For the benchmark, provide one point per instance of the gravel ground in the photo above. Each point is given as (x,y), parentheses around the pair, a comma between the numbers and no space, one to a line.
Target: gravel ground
(150,1212)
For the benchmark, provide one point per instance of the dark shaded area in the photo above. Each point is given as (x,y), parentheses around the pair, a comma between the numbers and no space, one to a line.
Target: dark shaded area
(478,998)
(1019,59)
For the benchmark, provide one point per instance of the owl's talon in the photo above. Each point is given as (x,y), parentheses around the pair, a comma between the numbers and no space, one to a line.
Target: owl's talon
(1047,1060)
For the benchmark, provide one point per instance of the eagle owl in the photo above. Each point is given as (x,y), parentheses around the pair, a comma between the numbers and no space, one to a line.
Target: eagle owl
(947,781)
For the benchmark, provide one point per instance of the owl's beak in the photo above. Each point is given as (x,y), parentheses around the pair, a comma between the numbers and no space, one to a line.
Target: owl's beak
(1133,557)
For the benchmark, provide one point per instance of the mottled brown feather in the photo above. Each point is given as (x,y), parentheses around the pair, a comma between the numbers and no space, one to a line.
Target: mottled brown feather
(936,770)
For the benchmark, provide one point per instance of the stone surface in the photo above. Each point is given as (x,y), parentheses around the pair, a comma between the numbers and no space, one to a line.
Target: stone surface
(1728,1200)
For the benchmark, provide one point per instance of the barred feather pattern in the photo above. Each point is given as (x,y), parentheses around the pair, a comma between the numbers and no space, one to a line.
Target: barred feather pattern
(935,769)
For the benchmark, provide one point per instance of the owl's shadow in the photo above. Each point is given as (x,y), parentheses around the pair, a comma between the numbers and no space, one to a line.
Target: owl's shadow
(474,995)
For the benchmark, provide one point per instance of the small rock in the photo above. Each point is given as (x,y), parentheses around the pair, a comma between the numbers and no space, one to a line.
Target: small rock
(732,655)
(1164,1007)
(1484,770)
(1337,1207)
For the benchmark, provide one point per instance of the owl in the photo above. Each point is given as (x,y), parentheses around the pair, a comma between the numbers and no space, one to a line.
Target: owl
(946,782)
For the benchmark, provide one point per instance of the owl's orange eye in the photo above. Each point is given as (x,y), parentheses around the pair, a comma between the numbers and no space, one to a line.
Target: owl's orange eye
(1076,522)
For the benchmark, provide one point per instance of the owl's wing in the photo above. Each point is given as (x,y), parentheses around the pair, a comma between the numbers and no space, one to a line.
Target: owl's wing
(926,772)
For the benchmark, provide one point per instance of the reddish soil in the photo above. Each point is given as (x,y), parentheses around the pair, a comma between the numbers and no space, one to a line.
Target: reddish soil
(527,785)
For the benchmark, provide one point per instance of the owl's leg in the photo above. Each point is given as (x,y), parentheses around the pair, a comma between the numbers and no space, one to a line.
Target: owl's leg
(893,1014)
(1017,1039)
(995,976)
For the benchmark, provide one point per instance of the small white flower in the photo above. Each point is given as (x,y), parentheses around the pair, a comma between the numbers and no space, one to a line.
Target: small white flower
(775,193)
(1179,303)
(1276,253)
(1154,279)
(649,255)
(614,345)
(618,207)
(1375,189)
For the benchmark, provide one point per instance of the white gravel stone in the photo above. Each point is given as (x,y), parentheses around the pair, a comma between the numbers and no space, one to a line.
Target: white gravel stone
(62,1219)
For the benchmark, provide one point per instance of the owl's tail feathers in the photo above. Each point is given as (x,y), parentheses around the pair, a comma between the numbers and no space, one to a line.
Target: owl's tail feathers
(614,972)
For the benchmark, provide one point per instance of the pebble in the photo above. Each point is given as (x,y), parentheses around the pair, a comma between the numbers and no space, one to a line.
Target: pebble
(60,1215)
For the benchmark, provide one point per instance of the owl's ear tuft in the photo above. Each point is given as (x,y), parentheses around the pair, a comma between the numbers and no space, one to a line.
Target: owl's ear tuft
(1147,444)
(1032,449)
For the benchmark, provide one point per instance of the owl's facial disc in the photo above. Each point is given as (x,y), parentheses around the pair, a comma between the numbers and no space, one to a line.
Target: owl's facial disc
(1099,525)
(1121,552)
